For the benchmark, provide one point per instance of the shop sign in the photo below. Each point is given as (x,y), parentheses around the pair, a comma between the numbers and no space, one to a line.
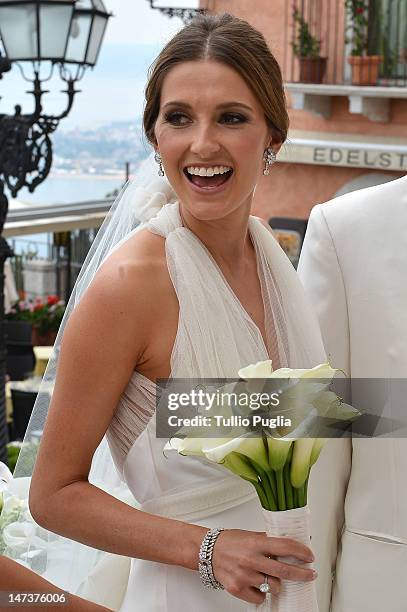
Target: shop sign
(348,154)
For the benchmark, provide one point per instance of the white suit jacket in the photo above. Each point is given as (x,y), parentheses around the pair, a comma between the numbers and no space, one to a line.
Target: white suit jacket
(354,269)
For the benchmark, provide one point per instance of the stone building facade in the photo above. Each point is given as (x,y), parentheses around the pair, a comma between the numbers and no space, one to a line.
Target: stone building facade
(342,135)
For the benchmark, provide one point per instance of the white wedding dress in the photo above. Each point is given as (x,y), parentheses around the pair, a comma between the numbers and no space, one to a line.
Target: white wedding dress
(215,338)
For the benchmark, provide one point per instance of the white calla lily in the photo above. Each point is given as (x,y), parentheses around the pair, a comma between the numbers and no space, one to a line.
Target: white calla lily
(251,447)
(5,476)
(319,444)
(256,375)
(186,446)
(278,450)
(324,370)
(239,465)
(261,369)
(300,462)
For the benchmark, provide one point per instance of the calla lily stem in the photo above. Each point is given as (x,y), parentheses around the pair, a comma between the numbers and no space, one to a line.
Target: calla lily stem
(271,499)
(272,482)
(280,490)
(288,487)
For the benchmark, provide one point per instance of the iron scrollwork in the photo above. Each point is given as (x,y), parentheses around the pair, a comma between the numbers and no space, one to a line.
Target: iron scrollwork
(25,144)
(186,14)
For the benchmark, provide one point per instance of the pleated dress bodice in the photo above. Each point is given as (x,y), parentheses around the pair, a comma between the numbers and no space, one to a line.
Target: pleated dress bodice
(215,338)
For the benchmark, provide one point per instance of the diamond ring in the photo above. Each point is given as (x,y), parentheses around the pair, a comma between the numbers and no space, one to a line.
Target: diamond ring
(265,587)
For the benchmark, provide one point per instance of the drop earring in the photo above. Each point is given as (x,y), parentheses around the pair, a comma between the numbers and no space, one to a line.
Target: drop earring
(159,161)
(269,158)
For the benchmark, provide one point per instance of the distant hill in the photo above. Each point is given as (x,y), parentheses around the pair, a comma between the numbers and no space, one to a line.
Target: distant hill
(103,149)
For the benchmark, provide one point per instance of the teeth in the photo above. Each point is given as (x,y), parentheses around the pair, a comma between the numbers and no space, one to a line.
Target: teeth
(207,171)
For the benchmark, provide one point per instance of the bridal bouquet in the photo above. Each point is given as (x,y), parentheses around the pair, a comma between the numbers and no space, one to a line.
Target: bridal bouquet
(278,461)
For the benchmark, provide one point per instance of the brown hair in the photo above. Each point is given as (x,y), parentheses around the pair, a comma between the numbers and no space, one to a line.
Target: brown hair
(231,41)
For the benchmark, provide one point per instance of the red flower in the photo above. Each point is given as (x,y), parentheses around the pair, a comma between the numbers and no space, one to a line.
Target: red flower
(52,299)
(360,10)
(38,307)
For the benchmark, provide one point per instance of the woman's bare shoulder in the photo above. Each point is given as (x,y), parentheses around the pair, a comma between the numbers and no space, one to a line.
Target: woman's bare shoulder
(135,264)
(129,289)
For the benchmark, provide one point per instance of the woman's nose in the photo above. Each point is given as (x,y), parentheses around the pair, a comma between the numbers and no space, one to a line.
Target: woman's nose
(204,142)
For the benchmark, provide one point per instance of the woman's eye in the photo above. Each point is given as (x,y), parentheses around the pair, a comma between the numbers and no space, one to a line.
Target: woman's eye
(179,119)
(175,118)
(233,118)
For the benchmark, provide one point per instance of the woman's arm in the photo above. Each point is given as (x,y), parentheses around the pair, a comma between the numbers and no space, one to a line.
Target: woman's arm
(15,578)
(104,339)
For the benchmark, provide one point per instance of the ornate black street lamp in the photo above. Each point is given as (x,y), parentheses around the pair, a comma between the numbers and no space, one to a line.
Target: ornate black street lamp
(62,34)
(185,10)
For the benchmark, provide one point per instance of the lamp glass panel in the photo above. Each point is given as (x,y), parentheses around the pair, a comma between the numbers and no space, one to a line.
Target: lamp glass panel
(54,27)
(98,28)
(98,5)
(78,38)
(18,30)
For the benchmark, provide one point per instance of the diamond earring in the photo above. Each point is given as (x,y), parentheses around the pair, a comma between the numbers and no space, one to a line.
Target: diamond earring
(269,158)
(159,161)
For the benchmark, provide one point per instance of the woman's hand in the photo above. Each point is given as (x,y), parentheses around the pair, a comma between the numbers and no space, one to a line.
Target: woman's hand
(241,560)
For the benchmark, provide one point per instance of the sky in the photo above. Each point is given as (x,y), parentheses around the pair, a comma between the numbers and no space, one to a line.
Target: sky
(114,89)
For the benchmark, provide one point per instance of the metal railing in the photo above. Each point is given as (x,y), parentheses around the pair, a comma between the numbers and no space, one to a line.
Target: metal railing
(33,213)
(66,249)
(325,39)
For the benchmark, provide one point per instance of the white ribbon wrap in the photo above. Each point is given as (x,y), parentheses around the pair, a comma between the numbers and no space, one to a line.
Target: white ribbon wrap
(293,596)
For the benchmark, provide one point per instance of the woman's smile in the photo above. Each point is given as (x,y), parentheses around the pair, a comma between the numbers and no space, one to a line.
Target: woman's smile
(208,180)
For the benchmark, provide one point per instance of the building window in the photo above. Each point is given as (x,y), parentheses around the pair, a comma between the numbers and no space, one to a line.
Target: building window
(388,36)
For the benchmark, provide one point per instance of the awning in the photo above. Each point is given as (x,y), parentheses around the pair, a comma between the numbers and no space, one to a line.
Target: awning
(347,150)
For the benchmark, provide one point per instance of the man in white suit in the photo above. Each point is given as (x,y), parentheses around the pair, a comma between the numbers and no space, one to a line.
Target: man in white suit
(354,268)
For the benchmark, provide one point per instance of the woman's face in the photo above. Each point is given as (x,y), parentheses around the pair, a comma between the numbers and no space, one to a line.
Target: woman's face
(210,120)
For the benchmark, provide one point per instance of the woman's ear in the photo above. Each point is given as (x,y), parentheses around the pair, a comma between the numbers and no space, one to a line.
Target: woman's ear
(276,146)
(154,142)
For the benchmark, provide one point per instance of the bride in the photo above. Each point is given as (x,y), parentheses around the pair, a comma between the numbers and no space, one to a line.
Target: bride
(199,289)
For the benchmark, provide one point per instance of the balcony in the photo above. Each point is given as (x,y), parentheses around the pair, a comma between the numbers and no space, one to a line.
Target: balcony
(184,9)
(327,48)
(52,241)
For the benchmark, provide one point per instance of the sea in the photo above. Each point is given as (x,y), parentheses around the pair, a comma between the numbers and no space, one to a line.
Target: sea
(68,188)
(60,189)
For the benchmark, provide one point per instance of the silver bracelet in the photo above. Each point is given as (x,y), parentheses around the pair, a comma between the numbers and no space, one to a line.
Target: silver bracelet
(205,560)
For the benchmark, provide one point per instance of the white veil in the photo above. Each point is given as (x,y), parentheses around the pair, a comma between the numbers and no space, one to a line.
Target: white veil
(65,562)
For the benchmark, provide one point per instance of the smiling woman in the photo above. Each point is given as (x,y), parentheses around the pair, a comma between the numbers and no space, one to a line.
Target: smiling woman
(213,139)
(198,290)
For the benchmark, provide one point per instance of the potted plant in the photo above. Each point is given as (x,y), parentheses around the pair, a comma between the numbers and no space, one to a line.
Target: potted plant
(365,67)
(44,318)
(308,50)
(20,358)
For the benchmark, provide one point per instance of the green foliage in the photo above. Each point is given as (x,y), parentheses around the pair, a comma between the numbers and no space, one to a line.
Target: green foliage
(45,316)
(12,455)
(15,509)
(305,44)
(357,11)
(5,520)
